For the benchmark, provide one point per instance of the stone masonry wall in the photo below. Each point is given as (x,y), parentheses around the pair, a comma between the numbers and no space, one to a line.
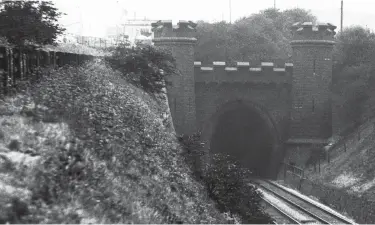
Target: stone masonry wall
(179,41)
(311,116)
(266,86)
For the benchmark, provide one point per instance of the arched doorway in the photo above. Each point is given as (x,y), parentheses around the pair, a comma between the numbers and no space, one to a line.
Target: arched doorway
(245,131)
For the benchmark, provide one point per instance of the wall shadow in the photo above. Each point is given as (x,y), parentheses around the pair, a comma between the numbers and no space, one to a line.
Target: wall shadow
(243,133)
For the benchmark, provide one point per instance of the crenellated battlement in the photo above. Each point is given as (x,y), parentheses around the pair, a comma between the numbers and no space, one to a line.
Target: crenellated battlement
(165,31)
(307,32)
(242,72)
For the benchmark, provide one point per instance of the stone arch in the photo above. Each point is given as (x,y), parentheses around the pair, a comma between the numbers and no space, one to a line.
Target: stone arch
(210,127)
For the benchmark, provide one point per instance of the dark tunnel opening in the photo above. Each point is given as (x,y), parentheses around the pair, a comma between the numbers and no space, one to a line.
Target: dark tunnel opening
(246,136)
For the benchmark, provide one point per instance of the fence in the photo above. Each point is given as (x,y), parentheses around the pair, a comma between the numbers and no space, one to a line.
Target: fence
(20,64)
(353,134)
(96,42)
(294,170)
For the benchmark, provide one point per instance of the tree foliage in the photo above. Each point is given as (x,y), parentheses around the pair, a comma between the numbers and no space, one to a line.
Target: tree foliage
(353,74)
(226,182)
(264,36)
(144,66)
(33,21)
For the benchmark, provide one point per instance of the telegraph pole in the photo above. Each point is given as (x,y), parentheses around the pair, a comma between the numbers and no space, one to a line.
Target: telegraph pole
(230,11)
(274,4)
(342,14)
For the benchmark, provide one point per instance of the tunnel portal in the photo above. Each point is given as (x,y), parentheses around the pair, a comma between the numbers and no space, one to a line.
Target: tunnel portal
(243,134)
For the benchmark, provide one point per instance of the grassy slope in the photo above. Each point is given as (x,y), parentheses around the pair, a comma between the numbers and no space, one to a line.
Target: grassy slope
(92,148)
(352,170)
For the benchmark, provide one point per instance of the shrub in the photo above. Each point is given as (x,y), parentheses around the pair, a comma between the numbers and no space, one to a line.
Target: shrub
(144,66)
(193,150)
(131,171)
(34,21)
(226,182)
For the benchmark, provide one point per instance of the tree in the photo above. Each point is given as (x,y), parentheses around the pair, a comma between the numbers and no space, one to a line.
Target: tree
(212,41)
(264,36)
(32,21)
(353,74)
(144,66)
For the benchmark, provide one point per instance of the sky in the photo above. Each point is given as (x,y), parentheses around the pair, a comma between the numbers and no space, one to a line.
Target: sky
(93,17)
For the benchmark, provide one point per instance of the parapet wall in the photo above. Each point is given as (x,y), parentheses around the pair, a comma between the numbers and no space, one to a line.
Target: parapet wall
(323,32)
(165,31)
(243,72)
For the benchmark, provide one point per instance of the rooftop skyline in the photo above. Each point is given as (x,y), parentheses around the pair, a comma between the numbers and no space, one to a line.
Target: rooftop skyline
(94,17)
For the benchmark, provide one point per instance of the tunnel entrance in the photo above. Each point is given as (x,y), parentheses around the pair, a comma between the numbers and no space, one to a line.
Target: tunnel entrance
(246,136)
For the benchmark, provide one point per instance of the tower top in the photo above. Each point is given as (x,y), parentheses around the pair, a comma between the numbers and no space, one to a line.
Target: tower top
(311,31)
(165,29)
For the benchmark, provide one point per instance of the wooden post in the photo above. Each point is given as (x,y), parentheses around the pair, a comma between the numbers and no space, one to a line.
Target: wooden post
(46,59)
(24,65)
(17,64)
(345,146)
(284,171)
(37,63)
(10,66)
(3,70)
(53,59)
(59,59)
(319,164)
(31,62)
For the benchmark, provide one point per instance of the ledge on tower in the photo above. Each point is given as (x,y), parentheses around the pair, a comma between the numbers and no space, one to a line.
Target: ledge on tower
(165,29)
(313,31)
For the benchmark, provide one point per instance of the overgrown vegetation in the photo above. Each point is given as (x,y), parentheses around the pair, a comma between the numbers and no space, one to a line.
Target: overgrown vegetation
(143,66)
(260,37)
(226,182)
(354,74)
(29,21)
(114,160)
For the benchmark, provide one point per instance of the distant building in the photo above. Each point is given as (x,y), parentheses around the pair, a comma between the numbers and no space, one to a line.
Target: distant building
(138,30)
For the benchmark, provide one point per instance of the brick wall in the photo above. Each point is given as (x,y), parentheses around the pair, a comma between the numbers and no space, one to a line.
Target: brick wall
(179,41)
(211,97)
(311,85)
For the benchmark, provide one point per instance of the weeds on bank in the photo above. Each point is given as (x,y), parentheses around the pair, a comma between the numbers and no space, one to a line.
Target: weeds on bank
(116,163)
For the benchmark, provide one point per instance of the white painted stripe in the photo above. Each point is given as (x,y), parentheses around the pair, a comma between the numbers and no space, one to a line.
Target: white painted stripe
(243,64)
(267,64)
(207,68)
(219,63)
(230,68)
(255,69)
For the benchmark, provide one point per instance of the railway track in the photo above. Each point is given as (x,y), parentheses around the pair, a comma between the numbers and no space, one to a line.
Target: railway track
(312,213)
(281,216)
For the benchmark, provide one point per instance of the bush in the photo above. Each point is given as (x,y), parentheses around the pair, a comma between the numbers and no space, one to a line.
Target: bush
(193,150)
(130,168)
(226,182)
(144,67)
(34,21)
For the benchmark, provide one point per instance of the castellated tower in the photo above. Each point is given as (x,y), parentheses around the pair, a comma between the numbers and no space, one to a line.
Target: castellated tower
(179,40)
(311,114)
